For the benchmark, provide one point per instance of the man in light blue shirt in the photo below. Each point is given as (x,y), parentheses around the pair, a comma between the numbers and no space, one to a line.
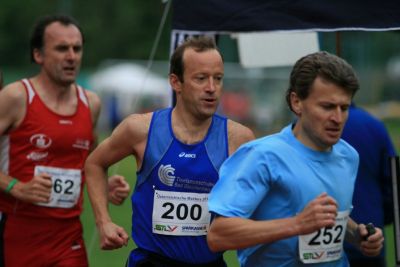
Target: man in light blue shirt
(285,199)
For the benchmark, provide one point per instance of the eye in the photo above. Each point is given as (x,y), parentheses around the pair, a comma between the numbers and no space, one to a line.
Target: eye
(345,108)
(200,78)
(77,48)
(218,78)
(327,106)
(62,48)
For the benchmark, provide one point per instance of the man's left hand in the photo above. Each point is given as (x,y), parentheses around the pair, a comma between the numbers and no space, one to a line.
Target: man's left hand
(370,245)
(118,189)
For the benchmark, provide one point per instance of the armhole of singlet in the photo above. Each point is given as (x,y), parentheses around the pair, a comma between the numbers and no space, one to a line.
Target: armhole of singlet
(29,90)
(82,95)
(147,148)
(156,145)
(217,144)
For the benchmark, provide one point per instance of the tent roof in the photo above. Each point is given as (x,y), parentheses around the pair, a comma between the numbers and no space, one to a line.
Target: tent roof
(270,15)
(129,78)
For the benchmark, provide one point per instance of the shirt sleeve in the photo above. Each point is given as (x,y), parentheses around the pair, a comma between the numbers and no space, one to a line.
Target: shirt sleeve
(242,184)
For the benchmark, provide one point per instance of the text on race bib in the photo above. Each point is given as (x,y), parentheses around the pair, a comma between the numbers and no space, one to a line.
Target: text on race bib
(180,213)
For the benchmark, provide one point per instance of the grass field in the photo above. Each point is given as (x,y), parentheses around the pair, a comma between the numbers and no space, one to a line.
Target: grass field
(122,216)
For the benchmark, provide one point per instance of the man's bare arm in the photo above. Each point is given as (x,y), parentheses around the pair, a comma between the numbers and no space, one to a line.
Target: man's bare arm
(228,233)
(13,99)
(238,134)
(129,138)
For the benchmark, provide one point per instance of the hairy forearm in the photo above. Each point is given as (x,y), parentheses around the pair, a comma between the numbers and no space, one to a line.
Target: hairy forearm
(96,180)
(352,233)
(238,233)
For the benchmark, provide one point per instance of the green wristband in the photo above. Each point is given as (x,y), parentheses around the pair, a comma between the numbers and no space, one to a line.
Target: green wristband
(11,185)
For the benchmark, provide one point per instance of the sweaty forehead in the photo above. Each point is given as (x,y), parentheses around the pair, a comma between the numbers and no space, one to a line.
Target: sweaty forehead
(205,59)
(326,91)
(59,32)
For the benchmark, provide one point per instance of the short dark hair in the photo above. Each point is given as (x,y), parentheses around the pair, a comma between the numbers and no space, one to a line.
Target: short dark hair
(37,35)
(324,65)
(198,43)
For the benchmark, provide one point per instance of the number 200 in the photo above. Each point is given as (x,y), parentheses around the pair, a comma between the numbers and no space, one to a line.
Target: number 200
(182,211)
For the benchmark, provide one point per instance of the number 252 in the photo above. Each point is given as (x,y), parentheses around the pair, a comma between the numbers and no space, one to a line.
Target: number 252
(327,235)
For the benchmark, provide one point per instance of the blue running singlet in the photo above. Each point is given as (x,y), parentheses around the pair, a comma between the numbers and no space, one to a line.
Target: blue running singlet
(170,213)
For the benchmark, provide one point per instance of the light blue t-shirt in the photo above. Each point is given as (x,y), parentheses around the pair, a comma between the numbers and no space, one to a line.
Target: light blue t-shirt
(276,177)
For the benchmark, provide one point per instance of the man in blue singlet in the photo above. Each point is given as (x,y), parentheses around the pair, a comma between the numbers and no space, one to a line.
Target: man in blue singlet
(369,136)
(178,153)
(285,199)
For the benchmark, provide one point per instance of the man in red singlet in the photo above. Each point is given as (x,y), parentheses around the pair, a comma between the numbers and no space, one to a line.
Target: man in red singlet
(47,126)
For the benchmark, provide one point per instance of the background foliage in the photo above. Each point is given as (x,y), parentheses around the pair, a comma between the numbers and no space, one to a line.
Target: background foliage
(118,29)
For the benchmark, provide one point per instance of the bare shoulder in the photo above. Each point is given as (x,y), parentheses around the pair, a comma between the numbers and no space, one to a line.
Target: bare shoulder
(238,134)
(94,100)
(128,138)
(13,99)
(135,126)
(14,92)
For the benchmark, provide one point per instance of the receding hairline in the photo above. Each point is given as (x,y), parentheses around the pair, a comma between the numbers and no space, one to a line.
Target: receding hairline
(200,51)
(58,23)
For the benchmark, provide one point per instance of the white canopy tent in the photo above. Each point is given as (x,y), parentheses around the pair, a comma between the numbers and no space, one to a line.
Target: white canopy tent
(127,88)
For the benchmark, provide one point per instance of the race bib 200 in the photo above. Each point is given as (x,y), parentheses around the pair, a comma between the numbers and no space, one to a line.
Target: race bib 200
(180,213)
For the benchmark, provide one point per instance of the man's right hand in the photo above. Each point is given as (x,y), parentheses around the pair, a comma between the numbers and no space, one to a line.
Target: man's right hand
(112,236)
(320,212)
(36,190)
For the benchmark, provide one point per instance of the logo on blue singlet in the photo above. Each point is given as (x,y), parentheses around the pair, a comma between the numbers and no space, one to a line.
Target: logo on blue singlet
(187,155)
(166,174)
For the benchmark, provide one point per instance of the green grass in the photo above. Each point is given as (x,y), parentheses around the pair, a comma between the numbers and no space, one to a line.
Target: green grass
(389,245)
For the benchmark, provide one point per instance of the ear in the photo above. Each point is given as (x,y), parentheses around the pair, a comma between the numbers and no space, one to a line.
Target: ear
(38,56)
(296,103)
(175,83)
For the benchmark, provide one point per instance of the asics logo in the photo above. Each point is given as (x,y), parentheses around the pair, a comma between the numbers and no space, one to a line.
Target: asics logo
(187,155)
(166,174)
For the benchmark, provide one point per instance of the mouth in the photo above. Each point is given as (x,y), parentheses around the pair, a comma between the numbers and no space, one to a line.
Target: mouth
(334,131)
(210,101)
(69,69)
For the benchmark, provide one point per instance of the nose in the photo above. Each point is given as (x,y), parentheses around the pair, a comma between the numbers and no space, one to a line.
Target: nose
(211,86)
(338,115)
(71,53)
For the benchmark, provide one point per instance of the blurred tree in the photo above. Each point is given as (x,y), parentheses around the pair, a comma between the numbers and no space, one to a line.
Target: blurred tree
(369,54)
(121,29)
